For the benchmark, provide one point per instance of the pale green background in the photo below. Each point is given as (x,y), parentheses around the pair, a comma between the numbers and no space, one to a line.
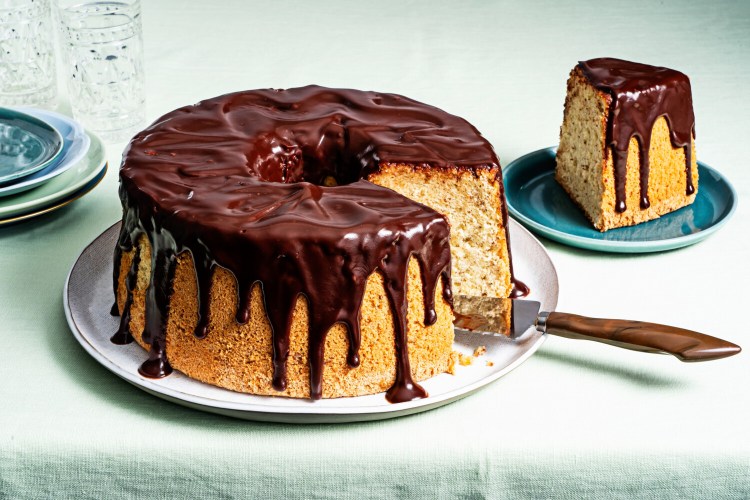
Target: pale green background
(577,420)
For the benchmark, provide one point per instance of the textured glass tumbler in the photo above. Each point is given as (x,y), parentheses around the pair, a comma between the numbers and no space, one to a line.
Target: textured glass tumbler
(27,54)
(103,45)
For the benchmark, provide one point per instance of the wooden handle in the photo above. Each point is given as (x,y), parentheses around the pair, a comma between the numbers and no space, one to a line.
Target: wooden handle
(686,345)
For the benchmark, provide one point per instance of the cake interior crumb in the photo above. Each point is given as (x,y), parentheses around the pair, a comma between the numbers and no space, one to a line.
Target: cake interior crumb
(464,360)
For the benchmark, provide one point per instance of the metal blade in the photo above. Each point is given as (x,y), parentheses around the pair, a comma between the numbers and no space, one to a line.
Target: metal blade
(509,317)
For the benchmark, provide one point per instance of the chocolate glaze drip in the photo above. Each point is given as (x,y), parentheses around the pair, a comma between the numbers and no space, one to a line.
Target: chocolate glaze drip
(234,180)
(640,95)
(520,289)
(123,335)
(115,311)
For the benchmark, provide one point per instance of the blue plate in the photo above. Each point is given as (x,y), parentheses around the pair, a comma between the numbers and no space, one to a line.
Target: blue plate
(539,203)
(27,144)
(76,144)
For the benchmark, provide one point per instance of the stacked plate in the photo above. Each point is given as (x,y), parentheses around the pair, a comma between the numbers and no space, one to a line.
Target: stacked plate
(47,160)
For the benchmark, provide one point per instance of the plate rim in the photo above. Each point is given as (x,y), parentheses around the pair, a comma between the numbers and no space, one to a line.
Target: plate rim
(64,164)
(643,246)
(302,414)
(37,121)
(57,204)
(75,183)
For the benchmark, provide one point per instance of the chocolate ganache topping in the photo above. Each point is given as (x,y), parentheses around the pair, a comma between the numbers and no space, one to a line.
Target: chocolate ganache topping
(640,95)
(269,185)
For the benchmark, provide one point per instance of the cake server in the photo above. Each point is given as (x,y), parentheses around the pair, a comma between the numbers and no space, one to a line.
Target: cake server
(514,317)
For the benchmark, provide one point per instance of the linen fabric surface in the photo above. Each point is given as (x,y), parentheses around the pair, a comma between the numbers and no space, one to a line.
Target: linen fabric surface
(577,420)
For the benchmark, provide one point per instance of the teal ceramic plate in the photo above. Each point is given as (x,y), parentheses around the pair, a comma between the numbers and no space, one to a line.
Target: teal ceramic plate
(539,203)
(27,144)
(59,188)
(75,146)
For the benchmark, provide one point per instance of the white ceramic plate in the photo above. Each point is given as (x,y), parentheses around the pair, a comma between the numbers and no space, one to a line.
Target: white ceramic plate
(75,145)
(65,184)
(88,296)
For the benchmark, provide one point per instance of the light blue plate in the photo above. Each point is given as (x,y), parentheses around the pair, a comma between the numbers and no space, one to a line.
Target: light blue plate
(27,144)
(539,203)
(76,144)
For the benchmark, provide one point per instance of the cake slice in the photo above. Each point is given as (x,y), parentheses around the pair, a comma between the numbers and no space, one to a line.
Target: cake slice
(473,201)
(627,151)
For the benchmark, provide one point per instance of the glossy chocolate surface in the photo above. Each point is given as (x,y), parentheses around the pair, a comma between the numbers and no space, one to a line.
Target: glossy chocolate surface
(640,95)
(246,181)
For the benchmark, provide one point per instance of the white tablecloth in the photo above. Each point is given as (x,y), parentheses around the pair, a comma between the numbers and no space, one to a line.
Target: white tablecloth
(577,420)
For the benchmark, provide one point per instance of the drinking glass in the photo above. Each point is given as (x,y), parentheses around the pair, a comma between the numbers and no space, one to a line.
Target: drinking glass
(27,54)
(103,44)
